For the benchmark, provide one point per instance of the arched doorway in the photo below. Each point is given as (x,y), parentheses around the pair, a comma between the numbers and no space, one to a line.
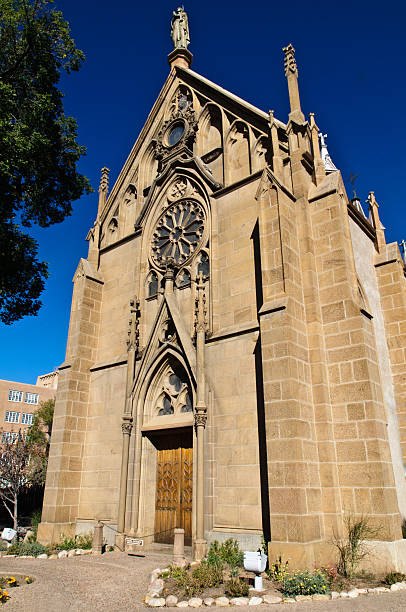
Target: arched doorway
(170,408)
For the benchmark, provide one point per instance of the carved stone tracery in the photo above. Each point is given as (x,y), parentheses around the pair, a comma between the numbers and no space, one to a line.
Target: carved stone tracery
(175,395)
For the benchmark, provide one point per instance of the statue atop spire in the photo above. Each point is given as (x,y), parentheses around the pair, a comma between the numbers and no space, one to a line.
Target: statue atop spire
(180,55)
(180,29)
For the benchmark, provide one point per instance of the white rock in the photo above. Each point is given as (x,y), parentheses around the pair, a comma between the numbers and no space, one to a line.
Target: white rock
(396,587)
(157,584)
(362,591)
(343,594)
(255,601)
(334,595)
(79,551)
(382,590)
(171,600)
(209,601)
(195,602)
(43,556)
(156,602)
(288,600)
(71,553)
(222,602)
(182,604)
(320,597)
(53,557)
(239,601)
(272,599)
(353,593)
(62,554)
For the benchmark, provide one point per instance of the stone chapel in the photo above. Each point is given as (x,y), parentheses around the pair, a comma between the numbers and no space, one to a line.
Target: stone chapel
(235,363)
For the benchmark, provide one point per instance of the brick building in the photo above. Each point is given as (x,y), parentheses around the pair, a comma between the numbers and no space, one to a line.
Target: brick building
(236,352)
(18,402)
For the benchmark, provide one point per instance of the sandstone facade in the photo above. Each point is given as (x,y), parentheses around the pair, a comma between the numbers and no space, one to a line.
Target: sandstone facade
(236,352)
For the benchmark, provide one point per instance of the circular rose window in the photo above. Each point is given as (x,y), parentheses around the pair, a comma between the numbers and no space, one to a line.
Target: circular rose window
(175,133)
(178,232)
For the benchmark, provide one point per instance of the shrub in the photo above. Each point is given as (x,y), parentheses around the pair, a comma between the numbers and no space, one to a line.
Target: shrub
(352,549)
(236,587)
(304,583)
(27,548)
(278,570)
(193,583)
(393,577)
(84,541)
(228,552)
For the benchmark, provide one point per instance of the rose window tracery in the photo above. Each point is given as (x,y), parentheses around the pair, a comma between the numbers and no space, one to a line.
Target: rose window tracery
(178,232)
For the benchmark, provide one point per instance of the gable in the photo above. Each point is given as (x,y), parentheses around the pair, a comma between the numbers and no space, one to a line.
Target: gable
(227,129)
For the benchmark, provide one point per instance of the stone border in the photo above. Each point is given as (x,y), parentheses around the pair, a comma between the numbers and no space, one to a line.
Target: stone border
(62,554)
(153,597)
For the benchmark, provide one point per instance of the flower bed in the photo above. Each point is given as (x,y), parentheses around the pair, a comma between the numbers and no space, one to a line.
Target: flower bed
(220,580)
(8,583)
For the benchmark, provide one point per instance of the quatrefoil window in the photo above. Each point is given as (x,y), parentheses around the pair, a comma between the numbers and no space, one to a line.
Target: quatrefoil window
(178,232)
(175,396)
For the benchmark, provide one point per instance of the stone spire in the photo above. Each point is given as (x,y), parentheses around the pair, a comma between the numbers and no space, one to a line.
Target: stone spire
(325,155)
(180,56)
(376,222)
(291,73)
(319,167)
(103,189)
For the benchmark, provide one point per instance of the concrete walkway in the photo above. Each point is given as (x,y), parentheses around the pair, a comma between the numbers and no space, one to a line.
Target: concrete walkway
(116,582)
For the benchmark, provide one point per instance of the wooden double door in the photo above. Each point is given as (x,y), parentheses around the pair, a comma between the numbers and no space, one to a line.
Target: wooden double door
(174,487)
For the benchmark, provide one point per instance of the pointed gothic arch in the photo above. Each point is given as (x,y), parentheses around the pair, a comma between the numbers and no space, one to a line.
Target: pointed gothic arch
(238,151)
(260,153)
(148,170)
(210,140)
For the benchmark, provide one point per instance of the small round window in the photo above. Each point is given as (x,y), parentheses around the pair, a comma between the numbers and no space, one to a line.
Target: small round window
(175,134)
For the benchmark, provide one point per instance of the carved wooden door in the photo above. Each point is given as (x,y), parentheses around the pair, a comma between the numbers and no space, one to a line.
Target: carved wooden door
(173,505)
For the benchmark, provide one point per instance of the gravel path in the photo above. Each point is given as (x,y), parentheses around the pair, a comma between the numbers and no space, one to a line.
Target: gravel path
(117,582)
(110,582)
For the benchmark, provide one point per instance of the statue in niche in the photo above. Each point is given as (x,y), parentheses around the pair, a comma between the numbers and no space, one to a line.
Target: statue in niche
(180,29)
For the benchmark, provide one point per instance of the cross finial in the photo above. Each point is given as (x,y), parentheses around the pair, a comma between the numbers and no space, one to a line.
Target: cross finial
(351,179)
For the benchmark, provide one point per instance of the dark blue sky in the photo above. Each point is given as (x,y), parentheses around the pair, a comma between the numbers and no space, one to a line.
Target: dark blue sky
(351,61)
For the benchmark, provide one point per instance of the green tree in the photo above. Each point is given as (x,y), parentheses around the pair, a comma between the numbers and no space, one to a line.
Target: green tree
(38,145)
(41,429)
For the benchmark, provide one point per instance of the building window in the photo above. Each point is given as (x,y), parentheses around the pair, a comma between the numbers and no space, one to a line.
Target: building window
(12,417)
(9,436)
(31,398)
(15,396)
(26,418)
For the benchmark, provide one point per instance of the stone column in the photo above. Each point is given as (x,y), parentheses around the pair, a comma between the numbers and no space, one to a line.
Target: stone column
(200,418)
(126,427)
